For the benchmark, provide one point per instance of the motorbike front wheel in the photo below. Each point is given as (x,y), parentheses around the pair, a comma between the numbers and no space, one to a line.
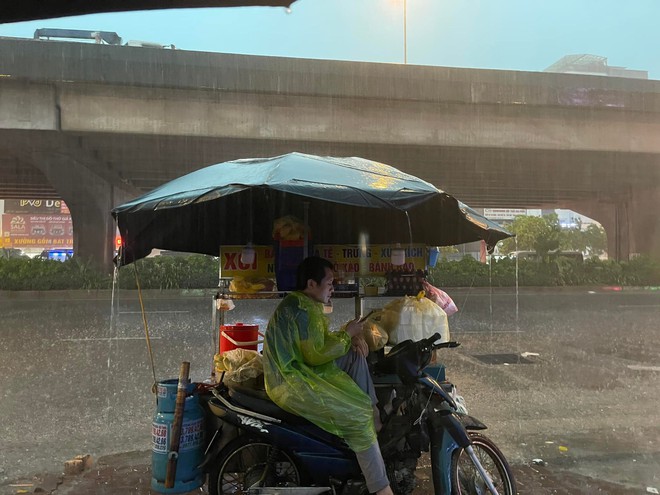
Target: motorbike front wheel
(246,461)
(466,479)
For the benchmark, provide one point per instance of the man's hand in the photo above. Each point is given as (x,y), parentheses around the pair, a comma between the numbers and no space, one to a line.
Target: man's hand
(360,345)
(354,327)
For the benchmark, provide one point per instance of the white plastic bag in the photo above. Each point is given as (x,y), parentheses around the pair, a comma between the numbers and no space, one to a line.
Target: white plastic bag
(414,318)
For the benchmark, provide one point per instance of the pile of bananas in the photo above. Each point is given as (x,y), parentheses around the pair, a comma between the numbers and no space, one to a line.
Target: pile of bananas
(250,285)
(288,228)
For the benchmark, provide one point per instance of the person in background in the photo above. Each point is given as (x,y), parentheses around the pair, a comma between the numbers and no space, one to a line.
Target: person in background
(321,375)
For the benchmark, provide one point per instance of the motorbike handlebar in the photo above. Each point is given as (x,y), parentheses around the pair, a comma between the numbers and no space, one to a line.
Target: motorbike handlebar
(436,336)
(447,345)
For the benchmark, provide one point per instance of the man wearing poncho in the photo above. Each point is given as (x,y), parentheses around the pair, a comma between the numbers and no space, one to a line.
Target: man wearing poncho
(302,375)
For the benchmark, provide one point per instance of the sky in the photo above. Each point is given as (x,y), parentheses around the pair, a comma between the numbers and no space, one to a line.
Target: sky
(527,35)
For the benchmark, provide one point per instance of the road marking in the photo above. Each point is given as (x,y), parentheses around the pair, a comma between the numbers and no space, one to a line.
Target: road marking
(89,339)
(638,367)
(149,312)
(639,305)
(487,331)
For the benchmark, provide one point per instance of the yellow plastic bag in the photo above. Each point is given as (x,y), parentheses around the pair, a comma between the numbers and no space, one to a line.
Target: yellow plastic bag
(375,336)
(415,318)
(239,365)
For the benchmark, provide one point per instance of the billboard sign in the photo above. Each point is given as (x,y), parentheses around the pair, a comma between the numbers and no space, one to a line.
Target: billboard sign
(25,231)
(36,206)
(504,213)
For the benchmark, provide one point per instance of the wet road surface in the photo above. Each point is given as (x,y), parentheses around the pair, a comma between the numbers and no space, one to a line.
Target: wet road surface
(584,399)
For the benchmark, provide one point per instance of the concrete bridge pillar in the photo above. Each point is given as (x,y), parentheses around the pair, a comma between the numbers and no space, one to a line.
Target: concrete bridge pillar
(643,217)
(630,222)
(613,216)
(619,243)
(93,228)
(90,198)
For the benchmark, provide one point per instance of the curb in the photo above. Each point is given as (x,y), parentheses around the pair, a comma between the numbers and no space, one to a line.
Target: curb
(105,294)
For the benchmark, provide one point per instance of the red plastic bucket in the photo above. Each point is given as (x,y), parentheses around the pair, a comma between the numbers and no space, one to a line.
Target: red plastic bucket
(239,336)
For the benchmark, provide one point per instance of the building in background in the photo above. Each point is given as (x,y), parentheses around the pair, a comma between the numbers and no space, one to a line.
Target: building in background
(593,65)
(568,219)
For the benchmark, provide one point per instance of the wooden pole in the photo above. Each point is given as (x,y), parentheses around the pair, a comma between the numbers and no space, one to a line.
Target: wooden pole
(173,454)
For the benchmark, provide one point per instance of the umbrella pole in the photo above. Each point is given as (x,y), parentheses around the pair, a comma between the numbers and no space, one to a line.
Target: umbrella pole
(215,326)
(306,230)
(359,304)
(214,331)
(410,237)
(177,422)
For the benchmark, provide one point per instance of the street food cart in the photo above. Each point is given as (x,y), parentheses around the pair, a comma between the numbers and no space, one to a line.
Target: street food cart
(369,219)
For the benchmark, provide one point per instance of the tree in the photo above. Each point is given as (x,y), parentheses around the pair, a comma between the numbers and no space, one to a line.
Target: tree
(540,234)
(573,239)
(445,250)
(544,234)
(591,240)
(595,239)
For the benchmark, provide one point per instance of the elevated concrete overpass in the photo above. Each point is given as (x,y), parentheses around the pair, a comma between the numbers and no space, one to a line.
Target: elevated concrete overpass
(97,125)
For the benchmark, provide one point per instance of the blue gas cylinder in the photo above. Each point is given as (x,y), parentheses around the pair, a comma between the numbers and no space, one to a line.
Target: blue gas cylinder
(191,445)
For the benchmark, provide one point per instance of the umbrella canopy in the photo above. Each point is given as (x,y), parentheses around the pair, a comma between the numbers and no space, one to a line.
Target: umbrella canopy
(27,10)
(343,200)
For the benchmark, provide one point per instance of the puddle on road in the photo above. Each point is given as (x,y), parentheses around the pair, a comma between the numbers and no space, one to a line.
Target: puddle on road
(502,359)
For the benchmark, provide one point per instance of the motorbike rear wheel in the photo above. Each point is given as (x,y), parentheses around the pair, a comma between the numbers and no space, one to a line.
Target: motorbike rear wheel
(244,462)
(465,478)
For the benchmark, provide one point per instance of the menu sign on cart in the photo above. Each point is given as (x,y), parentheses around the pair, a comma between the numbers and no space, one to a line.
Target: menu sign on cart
(371,261)
(232,265)
(374,260)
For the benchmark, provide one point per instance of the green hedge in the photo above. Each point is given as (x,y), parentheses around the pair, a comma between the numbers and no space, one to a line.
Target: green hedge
(161,272)
(40,274)
(171,272)
(197,271)
(468,272)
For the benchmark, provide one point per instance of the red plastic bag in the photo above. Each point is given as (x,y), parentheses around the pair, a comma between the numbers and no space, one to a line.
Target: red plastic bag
(440,297)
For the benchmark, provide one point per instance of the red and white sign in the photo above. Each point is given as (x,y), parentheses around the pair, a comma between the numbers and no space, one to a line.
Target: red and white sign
(192,436)
(36,231)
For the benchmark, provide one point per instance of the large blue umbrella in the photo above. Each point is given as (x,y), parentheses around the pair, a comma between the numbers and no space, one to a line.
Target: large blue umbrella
(27,10)
(343,200)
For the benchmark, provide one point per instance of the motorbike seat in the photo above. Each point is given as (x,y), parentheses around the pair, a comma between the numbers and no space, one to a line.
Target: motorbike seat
(258,401)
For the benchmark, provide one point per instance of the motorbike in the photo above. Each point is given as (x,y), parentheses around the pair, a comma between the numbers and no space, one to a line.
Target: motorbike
(261,449)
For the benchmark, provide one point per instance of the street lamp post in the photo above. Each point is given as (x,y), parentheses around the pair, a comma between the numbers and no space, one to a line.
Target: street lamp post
(405,31)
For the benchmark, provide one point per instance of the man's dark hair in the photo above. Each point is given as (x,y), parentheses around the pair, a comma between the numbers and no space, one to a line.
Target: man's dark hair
(311,268)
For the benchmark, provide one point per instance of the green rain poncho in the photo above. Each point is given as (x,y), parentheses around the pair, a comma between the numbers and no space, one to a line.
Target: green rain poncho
(301,376)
